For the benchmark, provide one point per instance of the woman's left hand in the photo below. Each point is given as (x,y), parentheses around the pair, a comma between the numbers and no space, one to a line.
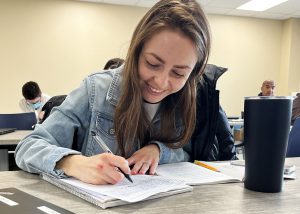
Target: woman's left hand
(145,159)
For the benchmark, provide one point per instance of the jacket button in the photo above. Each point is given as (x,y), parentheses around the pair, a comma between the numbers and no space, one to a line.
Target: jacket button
(112,131)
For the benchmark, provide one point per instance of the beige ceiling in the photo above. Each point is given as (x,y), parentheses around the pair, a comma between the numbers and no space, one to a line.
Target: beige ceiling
(289,9)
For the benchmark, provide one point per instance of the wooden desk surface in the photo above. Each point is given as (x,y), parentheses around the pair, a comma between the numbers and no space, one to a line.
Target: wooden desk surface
(13,138)
(228,198)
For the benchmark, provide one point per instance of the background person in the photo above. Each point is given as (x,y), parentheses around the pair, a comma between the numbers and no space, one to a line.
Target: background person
(113,63)
(267,88)
(33,100)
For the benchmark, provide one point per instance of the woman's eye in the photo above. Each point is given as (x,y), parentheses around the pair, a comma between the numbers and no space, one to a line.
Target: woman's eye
(178,74)
(152,65)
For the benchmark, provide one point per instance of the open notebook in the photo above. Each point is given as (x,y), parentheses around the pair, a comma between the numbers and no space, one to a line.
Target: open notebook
(170,179)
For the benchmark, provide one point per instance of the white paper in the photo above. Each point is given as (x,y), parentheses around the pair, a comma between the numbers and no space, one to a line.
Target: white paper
(236,171)
(192,174)
(143,186)
(238,167)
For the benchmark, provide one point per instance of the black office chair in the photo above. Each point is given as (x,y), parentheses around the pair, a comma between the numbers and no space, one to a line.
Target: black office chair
(52,102)
(20,121)
(293,149)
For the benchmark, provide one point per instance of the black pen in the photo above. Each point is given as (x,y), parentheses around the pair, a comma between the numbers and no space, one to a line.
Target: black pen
(106,149)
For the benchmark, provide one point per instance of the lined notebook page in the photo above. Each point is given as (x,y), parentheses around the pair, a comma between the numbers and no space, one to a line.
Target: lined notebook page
(143,186)
(193,174)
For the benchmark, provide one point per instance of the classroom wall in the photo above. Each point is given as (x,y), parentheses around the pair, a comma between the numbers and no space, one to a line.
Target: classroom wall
(294,71)
(285,57)
(251,50)
(290,64)
(58,42)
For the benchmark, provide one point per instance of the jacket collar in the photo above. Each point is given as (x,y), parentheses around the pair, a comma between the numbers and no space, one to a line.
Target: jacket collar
(114,90)
(212,73)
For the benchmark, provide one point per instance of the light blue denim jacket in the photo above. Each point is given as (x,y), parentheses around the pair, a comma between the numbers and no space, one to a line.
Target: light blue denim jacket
(67,131)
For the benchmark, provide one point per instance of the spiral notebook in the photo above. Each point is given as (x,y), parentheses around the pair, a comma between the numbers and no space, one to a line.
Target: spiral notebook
(144,187)
(170,179)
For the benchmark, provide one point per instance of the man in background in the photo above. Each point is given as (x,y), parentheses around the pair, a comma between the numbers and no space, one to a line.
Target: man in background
(267,88)
(34,99)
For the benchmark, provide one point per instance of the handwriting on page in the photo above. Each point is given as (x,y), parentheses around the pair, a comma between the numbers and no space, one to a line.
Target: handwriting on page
(143,187)
(192,174)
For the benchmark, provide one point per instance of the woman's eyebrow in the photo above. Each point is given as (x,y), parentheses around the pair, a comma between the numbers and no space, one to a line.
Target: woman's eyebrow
(162,61)
(156,57)
(182,66)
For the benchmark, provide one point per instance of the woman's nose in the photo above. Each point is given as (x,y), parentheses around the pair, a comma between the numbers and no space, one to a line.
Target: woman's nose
(162,79)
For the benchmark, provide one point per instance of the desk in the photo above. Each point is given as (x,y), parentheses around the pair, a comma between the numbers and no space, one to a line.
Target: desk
(212,199)
(236,122)
(238,135)
(9,142)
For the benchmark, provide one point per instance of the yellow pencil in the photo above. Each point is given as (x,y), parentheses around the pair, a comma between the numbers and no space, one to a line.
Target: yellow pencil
(206,166)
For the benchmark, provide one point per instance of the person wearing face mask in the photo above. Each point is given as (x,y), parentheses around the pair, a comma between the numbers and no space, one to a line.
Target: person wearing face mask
(34,99)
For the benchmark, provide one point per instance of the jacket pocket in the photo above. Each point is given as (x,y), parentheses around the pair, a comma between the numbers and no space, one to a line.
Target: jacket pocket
(105,130)
(105,125)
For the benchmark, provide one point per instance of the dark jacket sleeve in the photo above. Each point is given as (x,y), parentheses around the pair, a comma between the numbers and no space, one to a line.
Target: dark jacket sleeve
(225,138)
(212,139)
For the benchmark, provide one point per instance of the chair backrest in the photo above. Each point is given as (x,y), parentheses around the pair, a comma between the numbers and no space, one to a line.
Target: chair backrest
(293,149)
(20,121)
(52,102)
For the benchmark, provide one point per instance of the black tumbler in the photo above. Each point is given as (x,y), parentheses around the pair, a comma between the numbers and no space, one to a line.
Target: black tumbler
(266,131)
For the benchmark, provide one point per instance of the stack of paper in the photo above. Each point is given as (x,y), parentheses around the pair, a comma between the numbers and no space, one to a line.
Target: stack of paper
(170,179)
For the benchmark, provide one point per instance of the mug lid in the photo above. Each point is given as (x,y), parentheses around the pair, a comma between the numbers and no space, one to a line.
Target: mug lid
(269,97)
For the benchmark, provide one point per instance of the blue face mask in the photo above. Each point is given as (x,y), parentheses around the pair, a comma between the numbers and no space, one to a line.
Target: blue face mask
(37,105)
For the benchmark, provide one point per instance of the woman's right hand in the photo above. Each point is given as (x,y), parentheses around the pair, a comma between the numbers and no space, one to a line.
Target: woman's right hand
(97,169)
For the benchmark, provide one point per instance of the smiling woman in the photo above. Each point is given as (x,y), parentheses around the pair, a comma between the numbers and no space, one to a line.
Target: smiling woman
(144,110)
(165,64)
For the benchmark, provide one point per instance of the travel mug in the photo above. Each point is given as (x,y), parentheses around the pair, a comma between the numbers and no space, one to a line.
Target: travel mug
(266,130)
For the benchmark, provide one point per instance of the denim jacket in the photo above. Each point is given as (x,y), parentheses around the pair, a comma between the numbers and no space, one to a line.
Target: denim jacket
(68,129)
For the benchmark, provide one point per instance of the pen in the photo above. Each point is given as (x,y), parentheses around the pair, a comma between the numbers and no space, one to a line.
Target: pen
(106,149)
(206,166)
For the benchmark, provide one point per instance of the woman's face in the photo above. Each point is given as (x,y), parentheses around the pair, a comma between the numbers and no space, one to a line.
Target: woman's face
(165,64)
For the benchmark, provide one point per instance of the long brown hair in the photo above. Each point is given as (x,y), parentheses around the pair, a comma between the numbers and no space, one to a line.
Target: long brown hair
(131,122)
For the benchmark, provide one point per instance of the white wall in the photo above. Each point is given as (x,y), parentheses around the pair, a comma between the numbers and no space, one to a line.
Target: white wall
(251,49)
(57,43)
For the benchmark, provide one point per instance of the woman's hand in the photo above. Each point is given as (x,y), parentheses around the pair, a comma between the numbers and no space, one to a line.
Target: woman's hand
(145,159)
(97,169)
